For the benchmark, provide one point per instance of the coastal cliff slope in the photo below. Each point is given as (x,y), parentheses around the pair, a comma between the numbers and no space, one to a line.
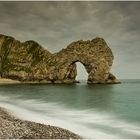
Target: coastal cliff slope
(30,62)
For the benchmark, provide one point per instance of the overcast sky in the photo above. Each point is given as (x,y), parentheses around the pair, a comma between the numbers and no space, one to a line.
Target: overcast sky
(56,24)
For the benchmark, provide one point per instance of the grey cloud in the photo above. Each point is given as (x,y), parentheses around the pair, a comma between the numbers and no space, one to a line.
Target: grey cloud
(56,24)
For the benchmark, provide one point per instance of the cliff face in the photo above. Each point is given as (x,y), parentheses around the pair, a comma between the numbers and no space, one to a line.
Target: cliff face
(29,61)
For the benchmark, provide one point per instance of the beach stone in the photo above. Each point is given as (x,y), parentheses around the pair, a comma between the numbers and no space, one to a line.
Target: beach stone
(29,61)
(13,128)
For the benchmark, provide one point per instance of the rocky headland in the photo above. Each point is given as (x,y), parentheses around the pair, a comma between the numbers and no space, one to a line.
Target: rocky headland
(29,62)
(13,128)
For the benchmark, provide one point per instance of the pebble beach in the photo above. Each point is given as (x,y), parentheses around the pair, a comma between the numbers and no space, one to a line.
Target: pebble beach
(14,128)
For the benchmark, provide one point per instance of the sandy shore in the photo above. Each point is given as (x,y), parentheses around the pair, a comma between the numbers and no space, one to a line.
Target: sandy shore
(5,81)
(13,128)
(8,81)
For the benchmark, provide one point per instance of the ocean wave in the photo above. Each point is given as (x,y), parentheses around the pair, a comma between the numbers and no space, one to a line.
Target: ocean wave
(87,123)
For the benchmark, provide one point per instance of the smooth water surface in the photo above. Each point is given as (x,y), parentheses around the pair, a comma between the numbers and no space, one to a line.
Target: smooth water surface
(92,111)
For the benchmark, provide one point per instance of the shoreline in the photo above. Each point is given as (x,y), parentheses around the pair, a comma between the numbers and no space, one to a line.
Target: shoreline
(14,128)
(6,81)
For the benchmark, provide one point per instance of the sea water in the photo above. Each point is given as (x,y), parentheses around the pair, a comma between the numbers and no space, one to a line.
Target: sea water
(92,111)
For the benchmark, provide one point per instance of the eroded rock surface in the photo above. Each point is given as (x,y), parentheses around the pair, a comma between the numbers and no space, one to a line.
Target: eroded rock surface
(30,62)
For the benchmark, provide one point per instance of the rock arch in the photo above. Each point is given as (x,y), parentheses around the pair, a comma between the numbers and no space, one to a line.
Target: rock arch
(96,57)
(29,61)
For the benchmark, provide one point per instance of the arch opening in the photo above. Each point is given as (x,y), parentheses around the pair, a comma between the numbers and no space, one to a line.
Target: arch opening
(82,74)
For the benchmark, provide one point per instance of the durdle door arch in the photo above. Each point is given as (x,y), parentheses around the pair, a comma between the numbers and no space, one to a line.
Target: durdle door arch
(30,62)
(96,57)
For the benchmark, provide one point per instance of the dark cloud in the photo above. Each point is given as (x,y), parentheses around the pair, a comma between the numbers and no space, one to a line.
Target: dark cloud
(56,24)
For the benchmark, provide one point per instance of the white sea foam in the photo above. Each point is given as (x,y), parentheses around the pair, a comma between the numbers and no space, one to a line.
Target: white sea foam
(87,123)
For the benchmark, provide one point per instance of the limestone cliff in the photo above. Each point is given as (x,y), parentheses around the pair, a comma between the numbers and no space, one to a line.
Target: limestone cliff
(30,62)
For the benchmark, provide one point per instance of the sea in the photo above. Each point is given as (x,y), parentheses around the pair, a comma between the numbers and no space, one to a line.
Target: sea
(94,111)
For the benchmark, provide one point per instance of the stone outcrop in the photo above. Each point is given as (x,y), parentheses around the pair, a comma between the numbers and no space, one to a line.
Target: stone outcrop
(30,62)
